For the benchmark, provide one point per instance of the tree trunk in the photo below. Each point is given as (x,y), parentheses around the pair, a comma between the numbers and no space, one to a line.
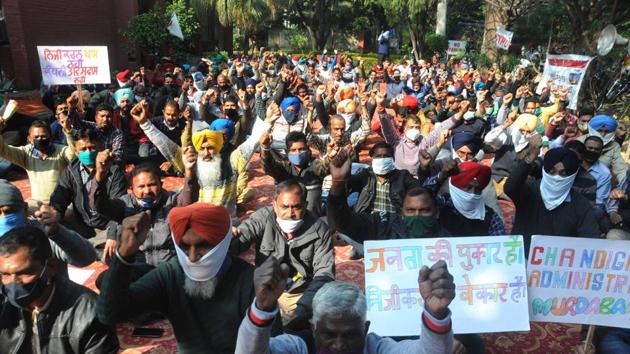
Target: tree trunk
(496,17)
(312,37)
(440,21)
(413,37)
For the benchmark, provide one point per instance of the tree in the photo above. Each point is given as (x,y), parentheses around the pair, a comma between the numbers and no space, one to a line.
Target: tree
(502,14)
(418,16)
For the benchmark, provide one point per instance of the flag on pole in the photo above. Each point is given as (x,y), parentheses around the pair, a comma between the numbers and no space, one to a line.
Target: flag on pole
(174,28)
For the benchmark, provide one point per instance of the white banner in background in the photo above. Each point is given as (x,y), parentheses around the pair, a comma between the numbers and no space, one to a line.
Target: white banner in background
(565,70)
(504,38)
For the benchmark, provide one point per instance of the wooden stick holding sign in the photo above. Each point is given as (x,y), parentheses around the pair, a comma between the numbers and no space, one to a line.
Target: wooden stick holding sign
(80,98)
(589,338)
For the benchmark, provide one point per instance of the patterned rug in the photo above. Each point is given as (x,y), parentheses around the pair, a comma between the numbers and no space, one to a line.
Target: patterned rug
(542,338)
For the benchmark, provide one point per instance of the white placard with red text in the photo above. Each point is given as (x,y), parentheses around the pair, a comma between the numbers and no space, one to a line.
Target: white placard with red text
(71,65)
(504,38)
(565,70)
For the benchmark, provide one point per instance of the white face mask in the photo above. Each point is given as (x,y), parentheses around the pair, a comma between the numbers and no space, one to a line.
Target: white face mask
(608,137)
(468,204)
(383,166)
(289,225)
(264,96)
(348,117)
(209,265)
(555,189)
(412,134)
(520,140)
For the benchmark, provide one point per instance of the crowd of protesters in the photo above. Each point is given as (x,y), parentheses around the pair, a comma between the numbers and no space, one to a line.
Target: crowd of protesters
(447,142)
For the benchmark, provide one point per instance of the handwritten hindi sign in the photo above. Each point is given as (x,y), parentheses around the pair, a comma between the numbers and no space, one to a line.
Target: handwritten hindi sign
(565,70)
(489,275)
(456,47)
(504,38)
(579,280)
(70,65)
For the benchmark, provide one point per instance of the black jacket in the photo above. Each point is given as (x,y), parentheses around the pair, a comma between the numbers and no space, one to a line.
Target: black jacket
(364,182)
(575,218)
(70,189)
(68,325)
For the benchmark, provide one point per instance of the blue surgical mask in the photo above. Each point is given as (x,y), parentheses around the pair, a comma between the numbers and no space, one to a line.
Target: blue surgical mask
(11,221)
(87,158)
(146,203)
(21,295)
(290,116)
(298,159)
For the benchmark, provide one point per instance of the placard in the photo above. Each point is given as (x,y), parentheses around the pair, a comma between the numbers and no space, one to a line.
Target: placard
(488,271)
(504,38)
(565,70)
(579,280)
(456,47)
(71,65)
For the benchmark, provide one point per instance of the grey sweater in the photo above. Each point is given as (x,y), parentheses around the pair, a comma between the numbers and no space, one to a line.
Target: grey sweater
(256,339)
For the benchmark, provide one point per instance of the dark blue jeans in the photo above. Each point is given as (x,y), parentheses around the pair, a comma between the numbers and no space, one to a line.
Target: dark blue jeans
(616,341)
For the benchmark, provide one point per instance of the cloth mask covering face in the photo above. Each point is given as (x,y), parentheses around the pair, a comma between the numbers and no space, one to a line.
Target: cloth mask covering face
(412,134)
(207,266)
(11,221)
(582,126)
(420,225)
(468,204)
(590,156)
(520,140)
(289,116)
(87,158)
(289,225)
(264,96)
(42,145)
(298,159)
(555,189)
(383,166)
(146,203)
(348,117)
(608,137)
(231,113)
(21,295)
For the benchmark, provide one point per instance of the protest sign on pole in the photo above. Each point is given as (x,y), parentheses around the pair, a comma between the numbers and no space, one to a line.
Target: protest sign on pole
(579,280)
(565,70)
(456,47)
(504,38)
(489,275)
(74,65)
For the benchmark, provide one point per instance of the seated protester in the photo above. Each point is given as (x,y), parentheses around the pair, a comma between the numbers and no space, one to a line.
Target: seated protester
(56,131)
(299,164)
(407,148)
(67,246)
(605,127)
(110,137)
(417,218)
(339,317)
(42,160)
(615,340)
(76,181)
(217,172)
(203,292)
(472,124)
(381,189)
(549,206)
(171,125)
(42,310)
(146,194)
(584,184)
(593,146)
(463,211)
(291,233)
(509,140)
(135,142)
(291,120)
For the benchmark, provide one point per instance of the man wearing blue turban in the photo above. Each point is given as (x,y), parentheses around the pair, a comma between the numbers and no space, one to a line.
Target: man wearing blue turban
(604,127)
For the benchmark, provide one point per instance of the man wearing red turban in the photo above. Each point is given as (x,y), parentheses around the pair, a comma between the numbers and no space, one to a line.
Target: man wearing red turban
(203,292)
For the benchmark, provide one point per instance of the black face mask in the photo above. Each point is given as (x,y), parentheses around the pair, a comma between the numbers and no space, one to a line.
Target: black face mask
(590,156)
(21,295)
(42,145)
(231,113)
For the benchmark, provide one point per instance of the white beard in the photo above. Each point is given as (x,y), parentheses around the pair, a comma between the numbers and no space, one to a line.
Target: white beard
(201,289)
(209,172)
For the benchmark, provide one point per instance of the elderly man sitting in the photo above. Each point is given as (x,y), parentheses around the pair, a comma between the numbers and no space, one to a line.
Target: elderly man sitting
(203,292)
(339,317)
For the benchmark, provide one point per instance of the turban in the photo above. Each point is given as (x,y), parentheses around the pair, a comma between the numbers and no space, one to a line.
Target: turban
(186,67)
(123,76)
(469,171)
(125,92)
(466,139)
(219,125)
(602,121)
(288,102)
(345,93)
(214,138)
(250,82)
(410,102)
(479,86)
(526,121)
(211,222)
(348,106)
(568,158)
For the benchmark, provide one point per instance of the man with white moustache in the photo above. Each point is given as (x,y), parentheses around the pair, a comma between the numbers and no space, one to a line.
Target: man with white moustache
(203,292)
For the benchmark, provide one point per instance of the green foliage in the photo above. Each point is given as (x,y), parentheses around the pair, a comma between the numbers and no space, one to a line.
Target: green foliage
(298,40)
(248,15)
(435,44)
(149,30)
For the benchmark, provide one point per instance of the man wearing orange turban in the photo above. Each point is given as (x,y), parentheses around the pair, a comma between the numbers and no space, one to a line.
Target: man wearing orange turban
(203,292)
